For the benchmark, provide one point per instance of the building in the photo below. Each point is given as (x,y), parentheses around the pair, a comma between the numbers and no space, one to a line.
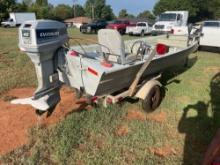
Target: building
(77,21)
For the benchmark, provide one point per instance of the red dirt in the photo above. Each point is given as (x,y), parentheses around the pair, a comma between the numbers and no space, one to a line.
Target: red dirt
(79,162)
(164,151)
(141,116)
(82,147)
(15,120)
(122,131)
(212,69)
(157,117)
(136,115)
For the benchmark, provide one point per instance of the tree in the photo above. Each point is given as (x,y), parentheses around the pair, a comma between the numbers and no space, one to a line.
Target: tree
(42,2)
(98,9)
(124,14)
(6,6)
(62,12)
(107,13)
(79,11)
(164,5)
(21,7)
(146,14)
(214,5)
(42,12)
(28,3)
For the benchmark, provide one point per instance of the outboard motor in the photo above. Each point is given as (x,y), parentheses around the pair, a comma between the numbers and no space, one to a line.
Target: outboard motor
(41,40)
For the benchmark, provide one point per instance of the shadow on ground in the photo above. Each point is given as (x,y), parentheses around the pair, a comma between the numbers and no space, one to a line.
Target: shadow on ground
(200,129)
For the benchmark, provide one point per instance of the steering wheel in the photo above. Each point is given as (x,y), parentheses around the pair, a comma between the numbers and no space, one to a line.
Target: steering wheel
(142,48)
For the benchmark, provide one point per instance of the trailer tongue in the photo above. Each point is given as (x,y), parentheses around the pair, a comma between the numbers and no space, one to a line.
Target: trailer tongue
(110,69)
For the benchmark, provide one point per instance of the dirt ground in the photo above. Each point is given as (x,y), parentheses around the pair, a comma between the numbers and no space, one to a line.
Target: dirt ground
(163,151)
(15,120)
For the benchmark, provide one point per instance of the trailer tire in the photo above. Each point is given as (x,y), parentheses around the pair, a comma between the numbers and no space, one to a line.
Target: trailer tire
(152,99)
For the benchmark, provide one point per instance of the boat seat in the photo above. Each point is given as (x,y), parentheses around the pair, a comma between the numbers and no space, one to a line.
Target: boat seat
(114,47)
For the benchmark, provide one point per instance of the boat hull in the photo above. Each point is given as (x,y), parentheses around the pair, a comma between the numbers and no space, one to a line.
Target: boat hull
(115,81)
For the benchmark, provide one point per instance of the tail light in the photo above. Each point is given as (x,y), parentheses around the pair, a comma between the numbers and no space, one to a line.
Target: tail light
(172,31)
(162,49)
(109,100)
(106,64)
(74,53)
(94,99)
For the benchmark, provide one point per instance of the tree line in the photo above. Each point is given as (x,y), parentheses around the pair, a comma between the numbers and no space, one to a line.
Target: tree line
(95,9)
(98,9)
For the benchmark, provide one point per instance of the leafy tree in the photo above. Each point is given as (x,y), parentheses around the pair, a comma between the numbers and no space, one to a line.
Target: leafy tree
(21,7)
(98,8)
(79,11)
(28,3)
(146,14)
(164,5)
(107,13)
(62,12)
(6,6)
(214,6)
(42,2)
(124,14)
(42,12)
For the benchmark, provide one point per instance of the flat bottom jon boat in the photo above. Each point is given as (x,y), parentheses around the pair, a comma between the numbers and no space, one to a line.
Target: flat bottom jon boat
(111,69)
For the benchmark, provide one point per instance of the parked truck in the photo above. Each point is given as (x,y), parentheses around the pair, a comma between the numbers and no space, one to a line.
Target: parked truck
(120,25)
(169,20)
(210,34)
(93,27)
(16,19)
(141,29)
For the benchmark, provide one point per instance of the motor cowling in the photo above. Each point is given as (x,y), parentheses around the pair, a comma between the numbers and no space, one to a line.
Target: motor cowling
(41,40)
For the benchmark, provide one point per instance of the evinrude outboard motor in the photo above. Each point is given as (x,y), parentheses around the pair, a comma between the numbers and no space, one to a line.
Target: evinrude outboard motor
(41,40)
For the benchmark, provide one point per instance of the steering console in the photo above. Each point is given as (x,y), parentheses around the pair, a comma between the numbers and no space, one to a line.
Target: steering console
(142,48)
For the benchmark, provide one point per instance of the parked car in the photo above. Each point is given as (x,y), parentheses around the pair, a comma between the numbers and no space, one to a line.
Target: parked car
(210,34)
(120,25)
(141,29)
(93,27)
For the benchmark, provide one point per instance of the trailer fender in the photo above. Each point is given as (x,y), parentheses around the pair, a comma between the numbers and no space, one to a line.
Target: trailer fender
(145,89)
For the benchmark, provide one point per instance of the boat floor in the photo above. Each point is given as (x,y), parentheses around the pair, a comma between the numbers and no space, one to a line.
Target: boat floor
(93,52)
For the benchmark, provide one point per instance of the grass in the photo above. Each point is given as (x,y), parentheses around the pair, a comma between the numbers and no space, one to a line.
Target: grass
(16,70)
(191,106)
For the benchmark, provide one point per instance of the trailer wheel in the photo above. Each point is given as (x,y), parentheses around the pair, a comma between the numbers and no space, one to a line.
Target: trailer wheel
(152,100)
(39,112)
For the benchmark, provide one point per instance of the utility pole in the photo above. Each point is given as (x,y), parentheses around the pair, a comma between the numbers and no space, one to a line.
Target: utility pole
(93,11)
(74,7)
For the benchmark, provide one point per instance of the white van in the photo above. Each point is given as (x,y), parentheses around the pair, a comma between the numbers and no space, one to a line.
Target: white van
(16,19)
